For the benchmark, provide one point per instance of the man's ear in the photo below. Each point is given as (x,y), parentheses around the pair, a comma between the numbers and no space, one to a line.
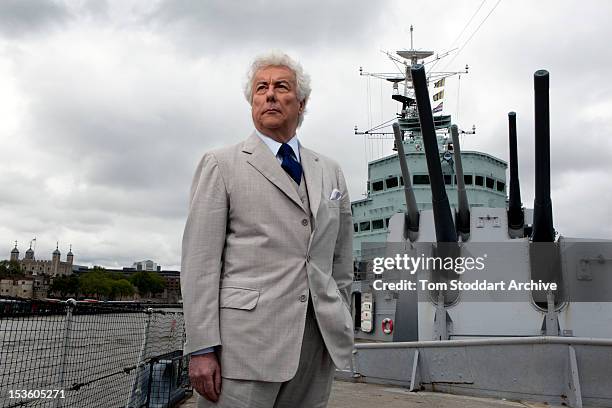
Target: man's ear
(302,105)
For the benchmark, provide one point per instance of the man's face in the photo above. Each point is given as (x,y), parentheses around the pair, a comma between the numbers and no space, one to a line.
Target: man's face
(275,106)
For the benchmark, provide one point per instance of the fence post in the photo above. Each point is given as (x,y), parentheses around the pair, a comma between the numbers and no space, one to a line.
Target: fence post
(135,390)
(149,382)
(70,305)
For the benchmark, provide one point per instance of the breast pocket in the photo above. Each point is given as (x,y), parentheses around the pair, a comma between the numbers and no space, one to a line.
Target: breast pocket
(232,297)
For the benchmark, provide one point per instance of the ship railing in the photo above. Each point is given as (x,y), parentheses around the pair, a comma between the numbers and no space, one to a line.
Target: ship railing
(91,354)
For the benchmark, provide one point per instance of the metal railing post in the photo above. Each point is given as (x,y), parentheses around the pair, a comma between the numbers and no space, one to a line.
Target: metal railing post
(150,381)
(135,390)
(70,305)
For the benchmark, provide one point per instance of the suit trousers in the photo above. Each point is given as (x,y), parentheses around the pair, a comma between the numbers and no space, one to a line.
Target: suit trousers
(309,388)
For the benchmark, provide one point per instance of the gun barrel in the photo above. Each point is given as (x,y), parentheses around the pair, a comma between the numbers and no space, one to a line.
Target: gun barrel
(516,218)
(463,219)
(412,212)
(443,219)
(543,230)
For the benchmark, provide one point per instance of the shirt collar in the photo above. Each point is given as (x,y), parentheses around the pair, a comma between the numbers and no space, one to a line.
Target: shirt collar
(273,145)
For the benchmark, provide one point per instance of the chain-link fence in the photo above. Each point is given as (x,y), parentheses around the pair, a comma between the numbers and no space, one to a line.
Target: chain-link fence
(80,354)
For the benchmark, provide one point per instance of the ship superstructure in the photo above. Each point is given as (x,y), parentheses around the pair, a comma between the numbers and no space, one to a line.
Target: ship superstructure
(484,174)
(484,178)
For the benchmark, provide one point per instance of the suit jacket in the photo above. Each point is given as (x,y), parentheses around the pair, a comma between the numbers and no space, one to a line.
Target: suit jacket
(251,259)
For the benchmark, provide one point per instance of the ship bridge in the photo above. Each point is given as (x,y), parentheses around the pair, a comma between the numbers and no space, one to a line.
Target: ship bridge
(484,178)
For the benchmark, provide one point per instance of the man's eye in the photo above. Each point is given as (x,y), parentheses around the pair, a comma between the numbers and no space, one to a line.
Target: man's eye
(260,88)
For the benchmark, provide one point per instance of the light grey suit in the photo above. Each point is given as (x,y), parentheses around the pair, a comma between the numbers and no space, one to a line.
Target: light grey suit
(252,256)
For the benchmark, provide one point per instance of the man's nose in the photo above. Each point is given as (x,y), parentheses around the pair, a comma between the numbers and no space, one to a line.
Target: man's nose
(270,95)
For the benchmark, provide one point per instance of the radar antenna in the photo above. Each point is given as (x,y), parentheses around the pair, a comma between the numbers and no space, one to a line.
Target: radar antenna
(404,60)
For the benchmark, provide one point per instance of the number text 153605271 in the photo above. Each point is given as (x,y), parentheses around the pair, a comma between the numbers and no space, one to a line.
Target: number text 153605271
(36,394)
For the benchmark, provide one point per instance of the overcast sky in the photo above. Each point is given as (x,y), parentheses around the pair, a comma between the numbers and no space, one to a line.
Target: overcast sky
(106,106)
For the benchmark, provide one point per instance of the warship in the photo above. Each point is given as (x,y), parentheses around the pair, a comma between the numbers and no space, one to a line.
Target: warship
(547,338)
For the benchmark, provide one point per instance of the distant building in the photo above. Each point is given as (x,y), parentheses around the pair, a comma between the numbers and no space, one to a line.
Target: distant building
(172,291)
(53,267)
(21,287)
(41,285)
(147,265)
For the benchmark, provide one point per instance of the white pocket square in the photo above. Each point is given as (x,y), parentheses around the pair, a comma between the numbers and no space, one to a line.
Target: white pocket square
(335,195)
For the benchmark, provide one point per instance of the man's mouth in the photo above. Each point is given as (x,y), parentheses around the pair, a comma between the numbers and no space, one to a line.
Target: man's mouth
(272,111)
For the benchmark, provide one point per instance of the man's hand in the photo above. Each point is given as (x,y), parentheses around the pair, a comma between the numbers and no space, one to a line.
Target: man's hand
(205,375)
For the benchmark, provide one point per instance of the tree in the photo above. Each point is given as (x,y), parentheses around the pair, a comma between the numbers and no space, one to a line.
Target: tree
(101,284)
(121,288)
(95,284)
(65,285)
(148,282)
(11,269)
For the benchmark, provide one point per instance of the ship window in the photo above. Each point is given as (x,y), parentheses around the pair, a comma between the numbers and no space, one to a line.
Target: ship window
(355,227)
(447,179)
(490,183)
(391,182)
(364,226)
(401,181)
(378,224)
(501,185)
(368,186)
(479,181)
(377,185)
(387,222)
(467,179)
(420,179)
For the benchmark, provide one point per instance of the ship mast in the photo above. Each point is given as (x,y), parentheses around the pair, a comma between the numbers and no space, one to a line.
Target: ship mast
(406,59)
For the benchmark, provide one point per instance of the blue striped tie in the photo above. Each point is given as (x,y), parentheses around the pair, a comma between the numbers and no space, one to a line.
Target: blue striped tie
(289,164)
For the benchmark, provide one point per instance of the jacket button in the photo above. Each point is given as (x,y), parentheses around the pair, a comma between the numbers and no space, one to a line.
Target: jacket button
(303,298)
(304,222)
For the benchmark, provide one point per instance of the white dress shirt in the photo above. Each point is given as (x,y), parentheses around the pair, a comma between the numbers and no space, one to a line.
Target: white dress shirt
(274,146)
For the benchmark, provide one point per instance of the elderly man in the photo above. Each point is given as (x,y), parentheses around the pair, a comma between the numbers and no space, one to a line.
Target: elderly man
(267,258)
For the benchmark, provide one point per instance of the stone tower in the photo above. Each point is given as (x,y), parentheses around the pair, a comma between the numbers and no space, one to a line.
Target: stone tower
(30,253)
(56,259)
(70,256)
(15,253)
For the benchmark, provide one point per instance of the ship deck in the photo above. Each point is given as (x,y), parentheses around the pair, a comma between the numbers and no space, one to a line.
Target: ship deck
(361,395)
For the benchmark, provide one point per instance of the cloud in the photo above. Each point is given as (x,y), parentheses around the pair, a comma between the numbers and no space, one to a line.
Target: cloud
(21,17)
(219,26)
(106,115)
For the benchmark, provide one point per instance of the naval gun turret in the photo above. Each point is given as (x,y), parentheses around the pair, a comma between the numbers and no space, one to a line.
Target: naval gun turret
(544,253)
(463,212)
(443,218)
(446,235)
(411,225)
(516,216)
(445,311)
(543,230)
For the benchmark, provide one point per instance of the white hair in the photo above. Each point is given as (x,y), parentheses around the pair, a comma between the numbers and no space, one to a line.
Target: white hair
(278,58)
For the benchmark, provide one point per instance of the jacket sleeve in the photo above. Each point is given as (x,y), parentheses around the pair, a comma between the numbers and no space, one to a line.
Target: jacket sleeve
(202,255)
(342,269)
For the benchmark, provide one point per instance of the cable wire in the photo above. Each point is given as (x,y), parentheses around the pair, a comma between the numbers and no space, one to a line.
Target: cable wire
(462,31)
(473,34)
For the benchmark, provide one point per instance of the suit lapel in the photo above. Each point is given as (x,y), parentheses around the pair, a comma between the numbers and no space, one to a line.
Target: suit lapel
(313,174)
(262,159)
